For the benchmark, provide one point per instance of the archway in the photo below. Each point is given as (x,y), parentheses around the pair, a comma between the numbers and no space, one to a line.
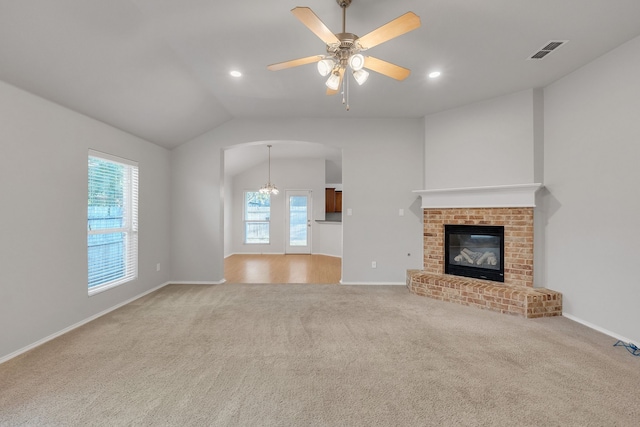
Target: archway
(295,165)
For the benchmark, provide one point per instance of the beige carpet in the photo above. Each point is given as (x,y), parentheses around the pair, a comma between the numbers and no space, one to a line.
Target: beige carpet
(324,355)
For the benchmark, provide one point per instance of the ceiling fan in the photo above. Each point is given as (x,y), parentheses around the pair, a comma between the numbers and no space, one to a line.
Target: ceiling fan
(343,49)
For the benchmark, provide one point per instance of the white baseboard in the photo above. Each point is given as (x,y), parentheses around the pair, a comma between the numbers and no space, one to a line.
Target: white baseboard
(77,325)
(190,282)
(279,253)
(331,255)
(373,283)
(255,253)
(599,329)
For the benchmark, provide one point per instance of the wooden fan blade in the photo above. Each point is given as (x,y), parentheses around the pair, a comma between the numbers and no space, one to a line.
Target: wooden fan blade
(312,22)
(403,24)
(333,92)
(387,68)
(294,63)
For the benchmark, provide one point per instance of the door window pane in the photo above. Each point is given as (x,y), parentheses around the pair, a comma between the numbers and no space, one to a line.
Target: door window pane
(298,221)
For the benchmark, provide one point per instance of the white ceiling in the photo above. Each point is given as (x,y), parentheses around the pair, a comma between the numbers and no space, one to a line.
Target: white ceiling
(159,68)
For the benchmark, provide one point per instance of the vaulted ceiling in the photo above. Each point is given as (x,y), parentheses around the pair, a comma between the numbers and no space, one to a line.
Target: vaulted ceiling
(159,69)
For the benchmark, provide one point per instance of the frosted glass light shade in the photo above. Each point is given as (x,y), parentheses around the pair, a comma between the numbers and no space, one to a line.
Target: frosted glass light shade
(356,62)
(333,81)
(361,76)
(325,66)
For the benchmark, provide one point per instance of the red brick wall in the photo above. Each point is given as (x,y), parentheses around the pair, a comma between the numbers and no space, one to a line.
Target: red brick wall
(520,300)
(518,238)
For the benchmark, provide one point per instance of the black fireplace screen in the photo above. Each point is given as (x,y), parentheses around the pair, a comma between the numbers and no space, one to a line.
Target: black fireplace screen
(475,251)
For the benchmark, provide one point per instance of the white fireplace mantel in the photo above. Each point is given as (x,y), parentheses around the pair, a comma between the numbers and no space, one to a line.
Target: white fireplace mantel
(499,196)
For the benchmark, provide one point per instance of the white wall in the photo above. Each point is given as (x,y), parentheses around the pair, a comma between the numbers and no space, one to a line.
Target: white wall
(228,203)
(197,220)
(482,144)
(592,149)
(286,174)
(382,164)
(43,217)
(327,239)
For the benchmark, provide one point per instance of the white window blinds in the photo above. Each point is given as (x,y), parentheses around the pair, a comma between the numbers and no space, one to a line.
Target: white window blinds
(112,221)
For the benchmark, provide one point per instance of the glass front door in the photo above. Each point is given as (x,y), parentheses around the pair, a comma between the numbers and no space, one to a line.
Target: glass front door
(298,222)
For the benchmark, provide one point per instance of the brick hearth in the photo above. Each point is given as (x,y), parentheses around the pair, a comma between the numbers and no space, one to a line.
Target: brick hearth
(516,296)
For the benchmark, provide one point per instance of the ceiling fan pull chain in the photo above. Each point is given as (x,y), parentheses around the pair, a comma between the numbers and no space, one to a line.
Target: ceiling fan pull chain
(345,92)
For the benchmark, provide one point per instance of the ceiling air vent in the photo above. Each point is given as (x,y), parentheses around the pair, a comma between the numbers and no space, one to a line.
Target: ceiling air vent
(548,48)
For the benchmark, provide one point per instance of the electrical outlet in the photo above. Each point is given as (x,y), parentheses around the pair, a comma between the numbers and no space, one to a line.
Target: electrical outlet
(401,212)
(373,264)
(158,267)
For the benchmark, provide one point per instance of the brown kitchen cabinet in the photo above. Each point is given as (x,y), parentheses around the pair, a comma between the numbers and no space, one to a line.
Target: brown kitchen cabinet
(330,200)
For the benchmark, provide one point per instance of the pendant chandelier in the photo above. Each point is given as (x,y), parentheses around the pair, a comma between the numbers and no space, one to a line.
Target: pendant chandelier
(269,188)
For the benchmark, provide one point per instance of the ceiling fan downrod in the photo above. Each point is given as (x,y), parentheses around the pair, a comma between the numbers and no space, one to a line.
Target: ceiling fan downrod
(342,51)
(344,4)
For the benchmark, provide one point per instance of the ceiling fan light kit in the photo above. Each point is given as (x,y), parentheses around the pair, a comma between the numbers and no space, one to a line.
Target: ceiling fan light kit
(343,49)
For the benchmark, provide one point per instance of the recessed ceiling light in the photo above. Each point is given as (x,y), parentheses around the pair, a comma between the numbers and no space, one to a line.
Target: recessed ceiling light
(235,73)
(434,74)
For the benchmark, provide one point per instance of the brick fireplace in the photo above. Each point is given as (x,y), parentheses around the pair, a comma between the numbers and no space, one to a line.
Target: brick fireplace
(511,207)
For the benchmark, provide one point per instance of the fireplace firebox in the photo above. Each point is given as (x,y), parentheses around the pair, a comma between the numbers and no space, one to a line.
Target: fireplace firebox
(474,251)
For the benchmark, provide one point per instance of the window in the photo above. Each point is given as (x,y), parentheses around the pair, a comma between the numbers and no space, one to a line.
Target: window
(112,221)
(257,210)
